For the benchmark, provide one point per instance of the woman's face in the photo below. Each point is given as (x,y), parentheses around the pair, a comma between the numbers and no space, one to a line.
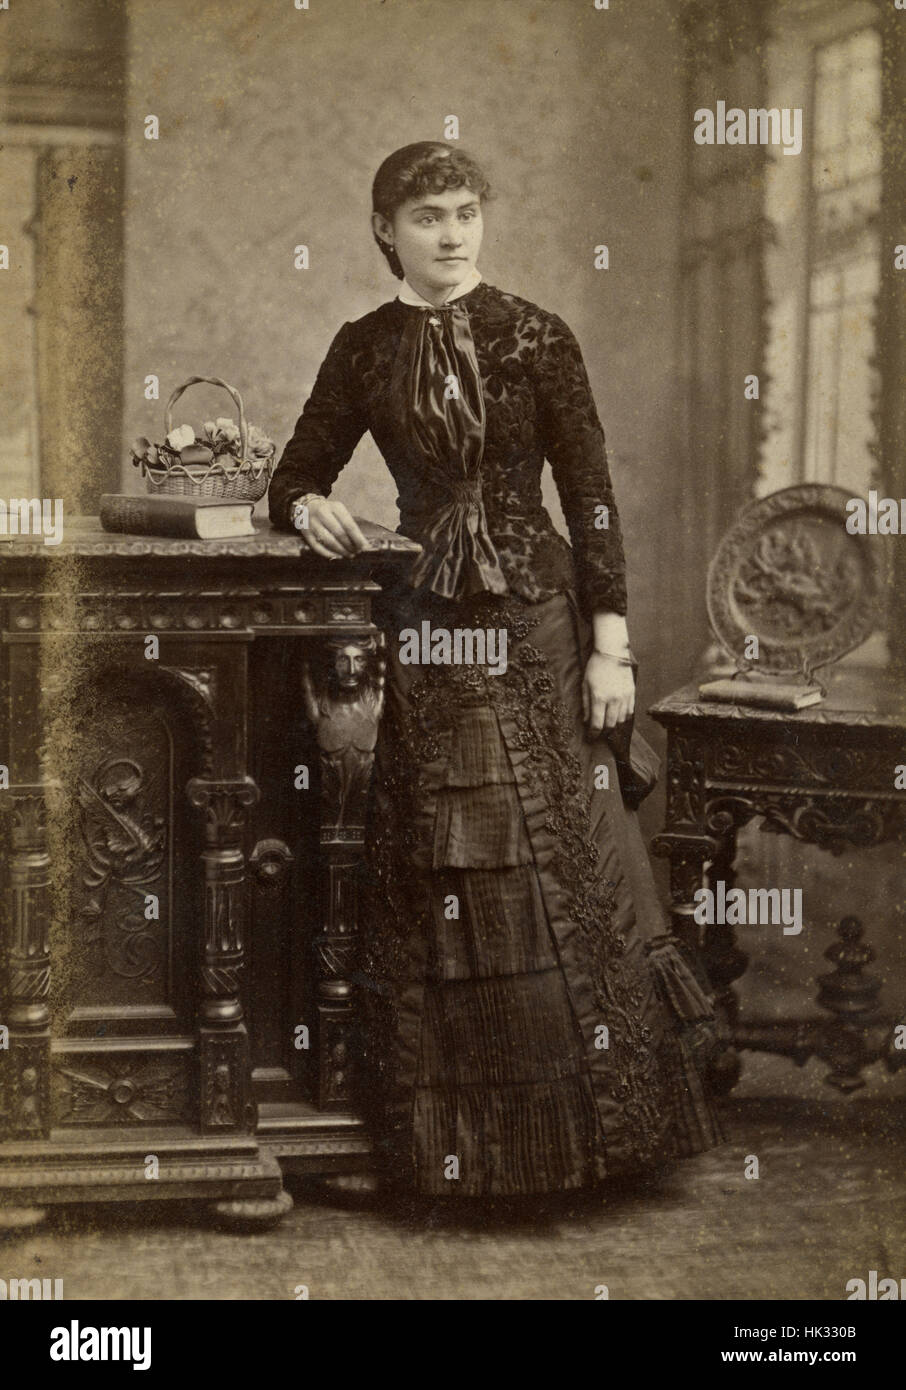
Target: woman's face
(437,238)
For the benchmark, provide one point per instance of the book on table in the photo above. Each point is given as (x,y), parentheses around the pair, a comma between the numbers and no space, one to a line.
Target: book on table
(767,694)
(202,518)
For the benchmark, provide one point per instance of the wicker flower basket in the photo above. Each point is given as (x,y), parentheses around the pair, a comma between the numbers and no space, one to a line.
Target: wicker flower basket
(242,479)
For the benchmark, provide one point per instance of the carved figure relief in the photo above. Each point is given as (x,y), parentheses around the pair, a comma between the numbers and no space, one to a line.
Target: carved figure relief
(788,584)
(344,704)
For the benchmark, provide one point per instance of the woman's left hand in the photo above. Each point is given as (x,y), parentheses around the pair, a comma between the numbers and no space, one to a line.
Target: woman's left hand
(608,693)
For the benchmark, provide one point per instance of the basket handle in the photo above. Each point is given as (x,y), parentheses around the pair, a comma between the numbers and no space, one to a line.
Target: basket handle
(212,381)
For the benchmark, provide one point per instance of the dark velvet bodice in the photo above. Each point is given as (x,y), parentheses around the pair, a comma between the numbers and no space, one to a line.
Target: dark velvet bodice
(537,404)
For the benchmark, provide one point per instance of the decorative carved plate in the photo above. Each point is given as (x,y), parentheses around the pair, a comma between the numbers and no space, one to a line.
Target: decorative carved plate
(789,573)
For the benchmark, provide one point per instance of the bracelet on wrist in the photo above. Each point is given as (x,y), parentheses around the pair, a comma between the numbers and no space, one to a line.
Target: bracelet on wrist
(622,658)
(298,504)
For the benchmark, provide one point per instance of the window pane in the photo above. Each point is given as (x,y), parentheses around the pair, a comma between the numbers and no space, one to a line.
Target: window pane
(840,379)
(823,266)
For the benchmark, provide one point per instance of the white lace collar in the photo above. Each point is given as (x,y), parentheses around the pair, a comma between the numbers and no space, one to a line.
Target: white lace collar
(408,295)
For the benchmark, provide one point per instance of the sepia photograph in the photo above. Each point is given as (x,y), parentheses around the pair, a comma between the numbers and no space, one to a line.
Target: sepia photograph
(452,662)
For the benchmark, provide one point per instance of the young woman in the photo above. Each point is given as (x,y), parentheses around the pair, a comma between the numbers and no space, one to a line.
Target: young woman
(531,1026)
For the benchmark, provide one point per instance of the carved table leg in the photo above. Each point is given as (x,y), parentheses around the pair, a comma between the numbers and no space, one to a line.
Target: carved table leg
(226,1089)
(688,855)
(26,1013)
(852,997)
(713,946)
(690,847)
(684,840)
(725,963)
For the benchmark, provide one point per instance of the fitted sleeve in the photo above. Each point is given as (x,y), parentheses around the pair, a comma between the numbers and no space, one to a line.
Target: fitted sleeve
(573,442)
(326,433)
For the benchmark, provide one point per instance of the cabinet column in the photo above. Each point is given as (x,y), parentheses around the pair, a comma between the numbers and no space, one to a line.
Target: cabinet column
(344,700)
(27,1013)
(226,1088)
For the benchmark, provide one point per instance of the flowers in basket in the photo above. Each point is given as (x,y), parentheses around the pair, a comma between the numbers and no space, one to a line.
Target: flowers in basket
(219,442)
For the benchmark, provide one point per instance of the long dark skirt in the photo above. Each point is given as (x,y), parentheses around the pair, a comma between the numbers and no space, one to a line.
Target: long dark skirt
(530,1026)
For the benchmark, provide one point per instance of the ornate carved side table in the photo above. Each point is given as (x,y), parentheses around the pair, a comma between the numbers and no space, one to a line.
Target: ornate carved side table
(186,742)
(826,775)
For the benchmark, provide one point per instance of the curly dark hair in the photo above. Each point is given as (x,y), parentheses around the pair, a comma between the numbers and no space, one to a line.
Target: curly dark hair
(428,166)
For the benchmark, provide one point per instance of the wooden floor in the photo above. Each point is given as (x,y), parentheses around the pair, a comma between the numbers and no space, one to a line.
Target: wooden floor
(828,1206)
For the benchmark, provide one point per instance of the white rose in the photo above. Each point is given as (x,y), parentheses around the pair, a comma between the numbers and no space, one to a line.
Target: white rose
(259,443)
(181,438)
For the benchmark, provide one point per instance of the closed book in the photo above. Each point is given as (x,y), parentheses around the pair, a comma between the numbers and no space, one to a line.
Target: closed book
(767,694)
(201,518)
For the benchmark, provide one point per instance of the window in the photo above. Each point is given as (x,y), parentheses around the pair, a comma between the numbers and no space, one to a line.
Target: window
(824,263)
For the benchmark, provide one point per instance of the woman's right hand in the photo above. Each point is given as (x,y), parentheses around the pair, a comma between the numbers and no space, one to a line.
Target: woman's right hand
(331,530)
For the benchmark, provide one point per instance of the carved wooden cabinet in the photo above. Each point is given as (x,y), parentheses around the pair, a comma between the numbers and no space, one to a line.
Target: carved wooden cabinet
(188,729)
